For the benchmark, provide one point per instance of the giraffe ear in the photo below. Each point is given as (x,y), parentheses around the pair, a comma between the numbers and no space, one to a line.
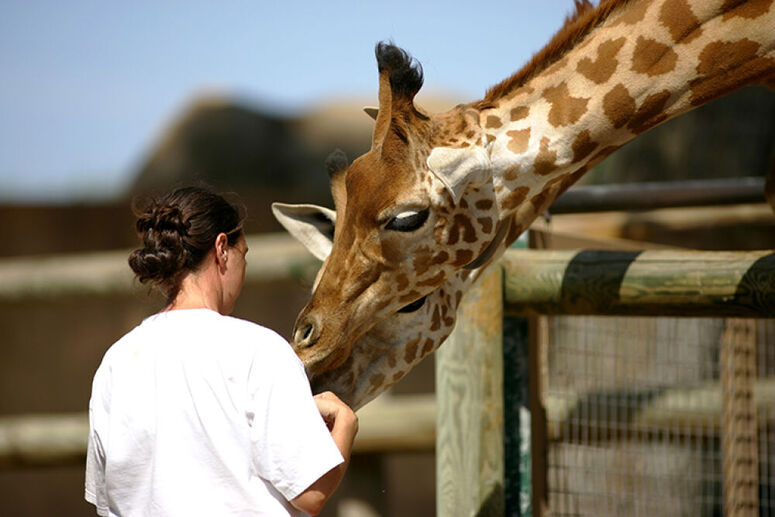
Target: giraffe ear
(311,225)
(459,169)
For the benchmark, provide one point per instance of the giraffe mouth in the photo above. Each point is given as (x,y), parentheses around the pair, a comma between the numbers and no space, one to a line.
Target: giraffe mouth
(414,306)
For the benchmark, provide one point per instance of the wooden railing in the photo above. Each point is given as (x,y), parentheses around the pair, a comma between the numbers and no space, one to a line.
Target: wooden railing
(469,382)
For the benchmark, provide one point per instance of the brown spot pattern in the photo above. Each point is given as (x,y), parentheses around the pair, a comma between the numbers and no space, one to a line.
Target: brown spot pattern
(377,379)
(493,122)
(436,319)
(440,258)
(510,174)
(725,66)
(519,113)
(463,257)
(410,352)
(618,105)
(461,226)
(483,204)
(603,67)
(409,297)
(427,346)
(514,231)
(539,201)
(448,320)
(486,224)
(565,109)
(553,189)
(433,281)
(650,113)
(679,19)
(556,67)
(545,162)
(574,177)
(515,198)
(653,58)
(518,140)
(423,263)
(749,10)
(402,282)
(633,14)
(583,146)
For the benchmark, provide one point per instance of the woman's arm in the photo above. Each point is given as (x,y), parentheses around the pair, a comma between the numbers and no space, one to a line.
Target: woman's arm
(343,425)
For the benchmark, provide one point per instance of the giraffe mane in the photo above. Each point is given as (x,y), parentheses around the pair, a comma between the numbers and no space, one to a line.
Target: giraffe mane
(577,25)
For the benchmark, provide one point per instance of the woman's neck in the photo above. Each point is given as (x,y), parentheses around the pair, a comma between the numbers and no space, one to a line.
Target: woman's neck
(197,291)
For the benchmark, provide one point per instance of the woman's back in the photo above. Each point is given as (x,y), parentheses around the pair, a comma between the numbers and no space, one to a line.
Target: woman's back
(183,397)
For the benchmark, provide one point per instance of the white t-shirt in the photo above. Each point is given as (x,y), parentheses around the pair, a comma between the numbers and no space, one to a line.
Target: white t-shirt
(195,413)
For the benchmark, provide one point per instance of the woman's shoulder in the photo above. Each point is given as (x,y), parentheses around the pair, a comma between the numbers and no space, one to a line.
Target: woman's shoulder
(257,338)
(204,322)
(252,329)
(195,333)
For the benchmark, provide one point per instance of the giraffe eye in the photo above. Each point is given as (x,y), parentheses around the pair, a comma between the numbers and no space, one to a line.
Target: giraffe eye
(414,306)
(408,221)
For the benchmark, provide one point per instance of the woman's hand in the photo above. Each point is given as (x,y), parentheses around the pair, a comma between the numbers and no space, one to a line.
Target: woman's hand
(334,412)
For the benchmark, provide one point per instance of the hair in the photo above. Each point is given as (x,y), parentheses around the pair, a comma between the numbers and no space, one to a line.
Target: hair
(177,231)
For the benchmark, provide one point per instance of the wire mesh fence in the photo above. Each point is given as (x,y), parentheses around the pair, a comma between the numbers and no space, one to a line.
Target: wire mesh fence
(659,416)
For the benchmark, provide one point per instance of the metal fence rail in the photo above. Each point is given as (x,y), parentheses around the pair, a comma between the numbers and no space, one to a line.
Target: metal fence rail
(652,195)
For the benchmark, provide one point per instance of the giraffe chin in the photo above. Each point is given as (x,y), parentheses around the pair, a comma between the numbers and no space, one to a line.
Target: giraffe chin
(368,370)
(317,361)
(338,381)
(356,393)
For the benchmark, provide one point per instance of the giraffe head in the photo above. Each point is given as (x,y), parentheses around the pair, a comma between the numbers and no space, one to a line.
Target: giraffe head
(394,345)
(410,214)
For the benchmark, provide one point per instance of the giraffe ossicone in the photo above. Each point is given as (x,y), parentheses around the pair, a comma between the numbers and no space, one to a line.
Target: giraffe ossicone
(439,197)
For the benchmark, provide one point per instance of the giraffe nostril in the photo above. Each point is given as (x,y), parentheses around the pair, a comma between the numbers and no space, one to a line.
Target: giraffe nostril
(307,332)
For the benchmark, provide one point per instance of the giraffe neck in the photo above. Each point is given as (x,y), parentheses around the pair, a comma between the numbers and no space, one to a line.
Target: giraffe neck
(643,64)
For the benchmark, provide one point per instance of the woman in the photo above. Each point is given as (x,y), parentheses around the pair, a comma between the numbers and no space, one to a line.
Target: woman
(195,412)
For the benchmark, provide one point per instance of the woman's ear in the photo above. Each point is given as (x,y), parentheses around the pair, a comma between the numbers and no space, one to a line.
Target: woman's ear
(221,243)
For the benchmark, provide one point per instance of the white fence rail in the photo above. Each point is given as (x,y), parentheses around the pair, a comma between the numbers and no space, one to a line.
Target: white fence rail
(390,423)
(271,257)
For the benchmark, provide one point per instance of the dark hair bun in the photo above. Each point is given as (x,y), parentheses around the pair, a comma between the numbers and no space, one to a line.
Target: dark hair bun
(163,254)
(159,218)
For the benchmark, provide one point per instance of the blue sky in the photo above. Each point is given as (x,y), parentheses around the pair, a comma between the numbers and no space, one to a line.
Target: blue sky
(86,86)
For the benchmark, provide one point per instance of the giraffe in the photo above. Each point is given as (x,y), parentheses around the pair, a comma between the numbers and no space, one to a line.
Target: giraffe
(439,197)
